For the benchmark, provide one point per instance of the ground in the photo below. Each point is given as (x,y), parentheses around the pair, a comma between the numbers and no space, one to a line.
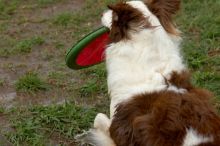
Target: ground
(42,101)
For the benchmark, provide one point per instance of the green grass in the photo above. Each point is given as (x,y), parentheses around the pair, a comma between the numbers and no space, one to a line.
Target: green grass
(82,22)
(63,19)
(59,45)
(202,32)
(6,45)
(20,47)
(201,43)
(2,81)
(4,52)
(208,80)
(89,88)
(47,2)
(95,82)
(56,75)
(7,8)
(2,110)
(58,79)
(25,46)
(3,26)
(34,124)
(30,83)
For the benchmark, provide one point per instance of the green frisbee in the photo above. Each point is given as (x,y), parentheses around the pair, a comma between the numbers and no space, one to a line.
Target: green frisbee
(89,51)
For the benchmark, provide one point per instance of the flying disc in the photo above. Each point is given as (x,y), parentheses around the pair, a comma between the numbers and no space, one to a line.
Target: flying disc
(88,51)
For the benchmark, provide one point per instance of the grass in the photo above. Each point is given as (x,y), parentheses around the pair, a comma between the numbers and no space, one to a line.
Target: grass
(202,41)
(208,80)
(3,26)
(56,75)
(21,47)
(6,45)
(2,81)
(63,19)
(2,110)
(45,125)
(34,123)
(95,84)
(59,45)
(7,8)
(25,46)
(30,83)
(89,88)
(58,79)
(82,22)
(47,2)
(202,33)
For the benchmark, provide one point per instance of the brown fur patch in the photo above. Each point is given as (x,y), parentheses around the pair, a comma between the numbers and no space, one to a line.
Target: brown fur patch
(126,19)
(161,118)
(181,80)
(164,10)
(209,144)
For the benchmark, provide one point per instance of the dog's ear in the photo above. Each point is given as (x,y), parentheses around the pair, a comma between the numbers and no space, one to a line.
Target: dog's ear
(120,22)
(124,13)
(168,7)
(125,18)
(164,10)
(115,12)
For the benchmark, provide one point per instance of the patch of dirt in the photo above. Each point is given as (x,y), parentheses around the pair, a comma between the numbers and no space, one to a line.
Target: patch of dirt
(4,141)
(56,138)
(214,52)
(4,125)
(28,21)
(51,10)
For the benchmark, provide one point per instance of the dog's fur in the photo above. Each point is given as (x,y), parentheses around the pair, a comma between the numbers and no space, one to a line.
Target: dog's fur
(153,102)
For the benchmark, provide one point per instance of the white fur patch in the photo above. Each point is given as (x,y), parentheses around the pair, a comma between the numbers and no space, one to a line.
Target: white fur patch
(102,122)
(99,136)
(107,19)
(177,90)
(139,65)
(193,138)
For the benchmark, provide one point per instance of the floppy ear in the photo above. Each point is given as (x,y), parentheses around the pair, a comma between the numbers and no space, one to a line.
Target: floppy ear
(125,18)
(111,7)
(115,14)
(164,10)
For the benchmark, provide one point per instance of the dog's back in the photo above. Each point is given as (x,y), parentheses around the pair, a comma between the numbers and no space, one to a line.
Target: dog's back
(167,118)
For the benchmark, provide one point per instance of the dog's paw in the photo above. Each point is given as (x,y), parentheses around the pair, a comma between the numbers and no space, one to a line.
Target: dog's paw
(102,122)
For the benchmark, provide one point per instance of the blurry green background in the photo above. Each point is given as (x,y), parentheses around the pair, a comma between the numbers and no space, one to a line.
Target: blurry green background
(42,102)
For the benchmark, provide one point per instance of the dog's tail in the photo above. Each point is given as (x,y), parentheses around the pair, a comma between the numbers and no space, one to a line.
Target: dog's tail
(99,136)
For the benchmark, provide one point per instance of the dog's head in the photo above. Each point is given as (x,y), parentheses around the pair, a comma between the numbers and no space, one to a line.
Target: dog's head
(135,16)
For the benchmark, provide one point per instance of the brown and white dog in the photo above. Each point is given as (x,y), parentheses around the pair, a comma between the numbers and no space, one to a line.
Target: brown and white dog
(153,102)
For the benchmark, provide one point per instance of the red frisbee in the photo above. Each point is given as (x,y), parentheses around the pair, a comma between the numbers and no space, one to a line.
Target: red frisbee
(89,50)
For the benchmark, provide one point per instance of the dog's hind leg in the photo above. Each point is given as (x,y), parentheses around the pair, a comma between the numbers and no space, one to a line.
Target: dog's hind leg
(99,135)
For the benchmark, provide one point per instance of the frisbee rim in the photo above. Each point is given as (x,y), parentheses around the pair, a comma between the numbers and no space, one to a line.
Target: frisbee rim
(72,53)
